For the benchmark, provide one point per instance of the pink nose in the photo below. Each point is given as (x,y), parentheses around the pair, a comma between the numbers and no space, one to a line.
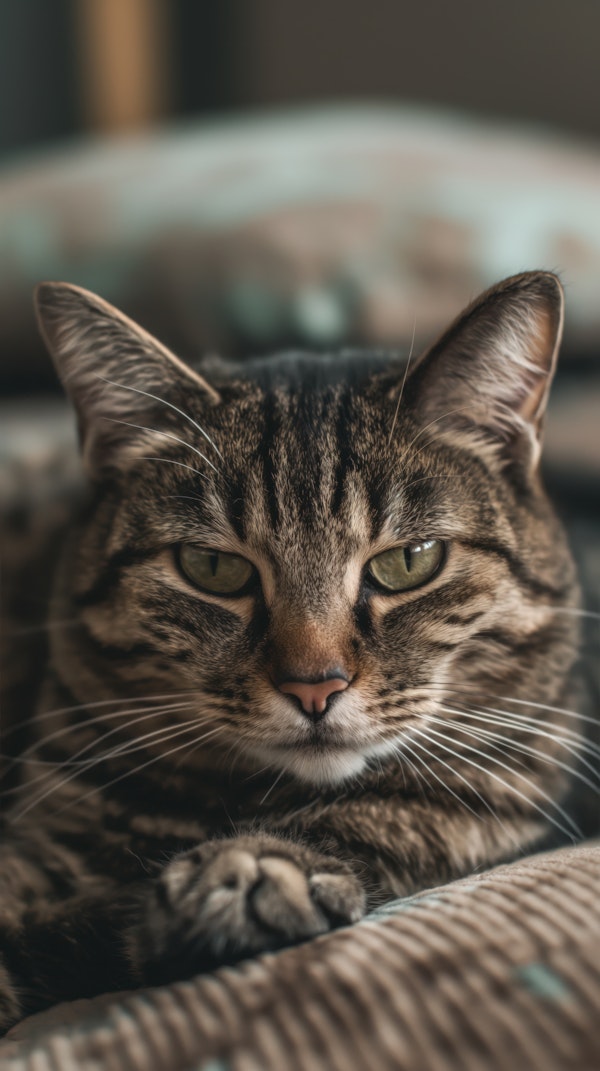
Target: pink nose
(314,694)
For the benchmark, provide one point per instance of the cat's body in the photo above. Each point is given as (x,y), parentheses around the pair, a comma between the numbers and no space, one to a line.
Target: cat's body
(319,633)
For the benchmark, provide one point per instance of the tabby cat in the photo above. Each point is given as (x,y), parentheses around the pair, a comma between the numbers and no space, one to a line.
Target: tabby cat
(313,646)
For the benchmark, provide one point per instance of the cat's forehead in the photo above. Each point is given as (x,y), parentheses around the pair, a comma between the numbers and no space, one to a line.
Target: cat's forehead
(319,447)
(307,460)
(302,424)
(306,371)
(307,403)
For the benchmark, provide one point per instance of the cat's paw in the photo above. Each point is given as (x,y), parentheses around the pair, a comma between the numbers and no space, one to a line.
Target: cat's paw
(232,898)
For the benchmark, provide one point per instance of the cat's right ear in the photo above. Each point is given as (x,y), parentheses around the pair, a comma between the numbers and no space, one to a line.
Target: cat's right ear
(118,377)
(485,382)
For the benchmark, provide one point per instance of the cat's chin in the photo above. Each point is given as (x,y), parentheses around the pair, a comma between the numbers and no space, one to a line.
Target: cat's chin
(317,766)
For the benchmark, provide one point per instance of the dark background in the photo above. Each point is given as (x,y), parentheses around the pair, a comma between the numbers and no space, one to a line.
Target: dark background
(69,67)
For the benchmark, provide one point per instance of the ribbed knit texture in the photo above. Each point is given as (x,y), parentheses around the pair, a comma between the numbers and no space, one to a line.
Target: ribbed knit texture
(499,972)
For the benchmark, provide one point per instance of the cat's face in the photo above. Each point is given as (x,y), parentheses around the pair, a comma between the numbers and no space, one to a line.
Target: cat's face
(315,554)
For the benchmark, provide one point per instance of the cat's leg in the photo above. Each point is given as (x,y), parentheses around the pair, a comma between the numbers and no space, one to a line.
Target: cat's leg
(67,933)
(227,899)
(60,928)
(401,846)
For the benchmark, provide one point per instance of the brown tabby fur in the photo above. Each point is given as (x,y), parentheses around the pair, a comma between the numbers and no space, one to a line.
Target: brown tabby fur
(177,810)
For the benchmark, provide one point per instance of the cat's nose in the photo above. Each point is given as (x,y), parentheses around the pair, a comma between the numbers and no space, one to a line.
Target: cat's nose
(314,695)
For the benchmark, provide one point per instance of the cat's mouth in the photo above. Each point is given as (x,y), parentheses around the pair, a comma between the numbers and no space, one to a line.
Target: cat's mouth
(324,756)
(321,737)
(320,746)
(316,763)
(333,748)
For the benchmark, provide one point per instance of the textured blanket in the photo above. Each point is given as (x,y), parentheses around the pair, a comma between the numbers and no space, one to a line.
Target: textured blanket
(499,972)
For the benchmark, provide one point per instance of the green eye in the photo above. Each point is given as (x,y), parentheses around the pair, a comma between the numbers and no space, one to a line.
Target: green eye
(404,568)
(222,574)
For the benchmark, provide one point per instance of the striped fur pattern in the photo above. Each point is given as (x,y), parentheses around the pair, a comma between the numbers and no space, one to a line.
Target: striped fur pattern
(177,808)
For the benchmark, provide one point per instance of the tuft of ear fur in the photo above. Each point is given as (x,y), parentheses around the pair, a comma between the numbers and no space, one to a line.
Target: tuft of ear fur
(117,375)
(487,379)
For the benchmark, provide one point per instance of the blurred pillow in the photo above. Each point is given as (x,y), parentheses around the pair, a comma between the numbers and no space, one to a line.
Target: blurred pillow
(313,229)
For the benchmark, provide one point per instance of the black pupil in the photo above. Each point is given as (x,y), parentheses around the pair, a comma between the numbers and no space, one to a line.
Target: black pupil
(214,562)
(407,558)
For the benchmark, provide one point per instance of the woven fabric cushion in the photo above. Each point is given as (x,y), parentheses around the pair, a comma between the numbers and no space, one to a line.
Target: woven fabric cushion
(499,972)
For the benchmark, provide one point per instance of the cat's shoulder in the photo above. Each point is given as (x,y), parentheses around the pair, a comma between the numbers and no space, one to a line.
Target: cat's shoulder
(41,487)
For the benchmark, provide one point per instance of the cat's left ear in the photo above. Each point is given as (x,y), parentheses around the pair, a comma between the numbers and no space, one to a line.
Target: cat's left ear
(487,379)
(118,377)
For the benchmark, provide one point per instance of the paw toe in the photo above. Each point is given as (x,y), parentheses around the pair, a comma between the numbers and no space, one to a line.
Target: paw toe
(234,869)
(340,896)
(283,902)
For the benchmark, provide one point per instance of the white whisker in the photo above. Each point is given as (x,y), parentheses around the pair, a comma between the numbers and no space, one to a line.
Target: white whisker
(269,790)
(471,788)
(127,748)
(469,689)
(147,712)
(443,416)
(573,742)
(166,435)
(399,750)
(163,401)
(496,777)
(168,461)
(573,610)
(445,786)
(75,760)
(58,711)
(550,709)
(410,353)
(138,769)
(505,743)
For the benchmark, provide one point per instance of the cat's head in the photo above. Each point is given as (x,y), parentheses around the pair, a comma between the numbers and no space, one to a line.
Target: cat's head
(318,553)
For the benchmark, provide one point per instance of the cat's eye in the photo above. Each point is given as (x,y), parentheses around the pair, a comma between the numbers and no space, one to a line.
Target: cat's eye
(215,571)
(407,567)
